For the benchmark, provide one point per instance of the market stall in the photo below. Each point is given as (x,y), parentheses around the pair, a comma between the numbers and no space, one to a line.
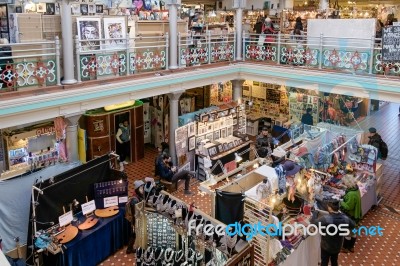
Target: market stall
(168,225)
(30,149)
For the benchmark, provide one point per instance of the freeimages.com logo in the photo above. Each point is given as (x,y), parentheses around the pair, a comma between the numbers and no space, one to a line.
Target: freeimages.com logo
(284,231)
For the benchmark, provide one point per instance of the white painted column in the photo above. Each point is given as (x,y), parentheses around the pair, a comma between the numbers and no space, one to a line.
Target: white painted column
(239,33)
(67,43)
(173,122)
(72,138)
(237,90)
(173,35)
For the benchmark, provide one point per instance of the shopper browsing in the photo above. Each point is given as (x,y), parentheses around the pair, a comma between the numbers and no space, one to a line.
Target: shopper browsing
(171,173)
(376,140)
(137,197)
(351,205)
(307,118)
(123,137)
(264,143)
(331,244)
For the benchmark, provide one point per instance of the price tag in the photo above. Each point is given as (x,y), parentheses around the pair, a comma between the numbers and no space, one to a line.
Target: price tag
(123,199)
(88,207)
(65,219)
(110,201)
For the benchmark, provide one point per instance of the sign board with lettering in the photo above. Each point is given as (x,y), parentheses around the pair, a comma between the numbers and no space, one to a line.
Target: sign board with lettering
(66,218)
(110,201)
(391,44)
(88,207)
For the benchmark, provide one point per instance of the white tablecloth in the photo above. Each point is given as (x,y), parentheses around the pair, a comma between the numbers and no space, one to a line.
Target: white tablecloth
(308,253)
(369,199)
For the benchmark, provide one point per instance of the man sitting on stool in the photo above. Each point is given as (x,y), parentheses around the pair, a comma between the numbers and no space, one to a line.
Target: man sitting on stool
(170,173)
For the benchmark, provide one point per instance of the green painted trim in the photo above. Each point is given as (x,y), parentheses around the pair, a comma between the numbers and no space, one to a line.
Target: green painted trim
(104,94)
(333,78)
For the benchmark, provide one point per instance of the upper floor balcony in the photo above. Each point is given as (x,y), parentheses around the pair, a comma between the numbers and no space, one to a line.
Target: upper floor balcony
(37,66)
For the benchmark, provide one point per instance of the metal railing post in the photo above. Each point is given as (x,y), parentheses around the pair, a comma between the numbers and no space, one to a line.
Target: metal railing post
(127,61)
(58,65)
(209,45)
(371,59)
(179,50)
(279,49)
(78,55)
(167,50)
(243,45)
(321,46)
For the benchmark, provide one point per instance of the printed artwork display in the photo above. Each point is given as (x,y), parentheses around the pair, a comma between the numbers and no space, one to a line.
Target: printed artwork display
(115,33)
(88,31)
(192,143)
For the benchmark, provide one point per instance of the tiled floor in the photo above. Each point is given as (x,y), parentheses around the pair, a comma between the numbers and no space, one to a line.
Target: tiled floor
(368,250)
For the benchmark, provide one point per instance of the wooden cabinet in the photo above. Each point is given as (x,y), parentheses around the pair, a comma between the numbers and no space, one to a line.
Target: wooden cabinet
(102,126)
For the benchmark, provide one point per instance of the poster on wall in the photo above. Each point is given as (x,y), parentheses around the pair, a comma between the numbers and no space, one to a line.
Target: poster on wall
(89,31)
(181,141)
(115,32)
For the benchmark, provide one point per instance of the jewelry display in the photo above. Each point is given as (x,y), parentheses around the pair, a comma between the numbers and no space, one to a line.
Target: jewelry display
(178,256)
(148,255)
(169,256)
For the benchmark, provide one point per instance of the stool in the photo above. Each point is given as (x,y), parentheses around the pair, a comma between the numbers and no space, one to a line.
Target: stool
(170,187)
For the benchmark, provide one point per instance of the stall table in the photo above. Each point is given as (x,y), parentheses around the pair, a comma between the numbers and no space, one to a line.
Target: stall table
(91,247)
(308,253)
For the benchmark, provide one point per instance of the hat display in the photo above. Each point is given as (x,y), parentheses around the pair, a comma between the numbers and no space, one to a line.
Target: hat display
(372,130)
(291,168)
(138,183)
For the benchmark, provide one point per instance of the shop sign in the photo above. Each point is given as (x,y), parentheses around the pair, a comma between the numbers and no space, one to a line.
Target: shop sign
(45,130)
(98,125)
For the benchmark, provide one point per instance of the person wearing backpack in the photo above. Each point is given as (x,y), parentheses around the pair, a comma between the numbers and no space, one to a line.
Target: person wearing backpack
(376,140)
(137,197)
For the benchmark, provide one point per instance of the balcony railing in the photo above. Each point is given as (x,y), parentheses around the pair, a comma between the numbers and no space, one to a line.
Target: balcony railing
(34,64)
(197,49)
(359,56)
(38,64)
(99,58)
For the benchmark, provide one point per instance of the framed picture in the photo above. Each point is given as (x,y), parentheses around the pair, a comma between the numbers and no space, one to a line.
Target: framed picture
(199,139)
(192,143)
(18,9)
(99,9)
(115,32)
(212,151)
(220,148)
(229,131)
(50,8)
(210,127)
(191,129)
(223,133)
(84,9)
(210,136)
(41,7)
(88,30)
(57,10)
(75,9)
(217,134)
(92,9)
(226,147)
(231,145)
(204,118)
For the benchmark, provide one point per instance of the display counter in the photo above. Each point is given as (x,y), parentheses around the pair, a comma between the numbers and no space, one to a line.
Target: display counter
(227,159)
(92,246)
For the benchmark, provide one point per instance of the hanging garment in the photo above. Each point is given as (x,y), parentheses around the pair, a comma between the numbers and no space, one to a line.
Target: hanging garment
(280,172)
(229,207)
